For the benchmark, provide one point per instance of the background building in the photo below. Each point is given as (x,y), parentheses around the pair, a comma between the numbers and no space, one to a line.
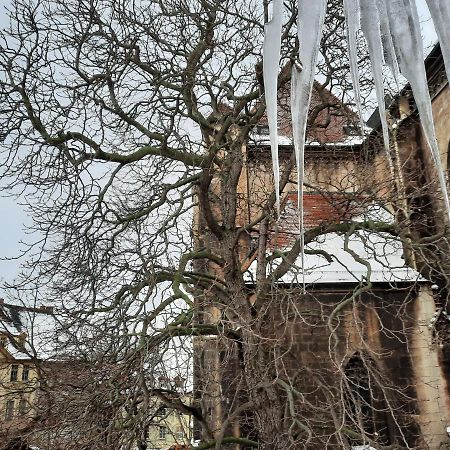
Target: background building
(25,339)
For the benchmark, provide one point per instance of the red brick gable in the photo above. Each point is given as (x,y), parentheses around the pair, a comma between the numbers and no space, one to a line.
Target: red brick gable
(330,118)
(319,209)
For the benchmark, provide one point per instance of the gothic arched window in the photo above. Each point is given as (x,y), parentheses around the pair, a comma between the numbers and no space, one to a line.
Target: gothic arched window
(366,412)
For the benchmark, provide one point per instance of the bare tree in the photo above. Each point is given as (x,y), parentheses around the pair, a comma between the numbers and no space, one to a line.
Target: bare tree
(128,128)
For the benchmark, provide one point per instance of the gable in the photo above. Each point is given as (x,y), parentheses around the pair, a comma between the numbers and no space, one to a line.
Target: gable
(331,121)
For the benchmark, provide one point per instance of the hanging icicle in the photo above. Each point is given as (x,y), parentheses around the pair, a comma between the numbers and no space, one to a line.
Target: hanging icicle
(370,25)
(440,13)
(271,62)
(405,26)
(311,17)
(386,38)
(352,20)
(298,132)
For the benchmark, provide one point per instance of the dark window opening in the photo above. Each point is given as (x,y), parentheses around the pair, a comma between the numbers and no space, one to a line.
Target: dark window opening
(9,410)
(23,407)
(25,373)
(365,406)
(161,412)
(352,130)
(14,372)
(163,432)
(448,163)
(262,130)
(446,352)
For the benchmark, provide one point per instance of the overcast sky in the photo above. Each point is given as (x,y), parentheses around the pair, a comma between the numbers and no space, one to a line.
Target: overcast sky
(13,218)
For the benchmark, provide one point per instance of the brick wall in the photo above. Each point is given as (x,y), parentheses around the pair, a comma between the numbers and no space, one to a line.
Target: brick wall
(387,328)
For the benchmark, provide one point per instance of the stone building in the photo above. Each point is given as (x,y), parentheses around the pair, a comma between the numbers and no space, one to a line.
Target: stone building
(356,352)
(424,212)
(24,334)
(170,428)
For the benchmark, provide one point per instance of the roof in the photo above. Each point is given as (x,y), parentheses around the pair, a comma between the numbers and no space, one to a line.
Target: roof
(436,78)
(327,258)
(30,330)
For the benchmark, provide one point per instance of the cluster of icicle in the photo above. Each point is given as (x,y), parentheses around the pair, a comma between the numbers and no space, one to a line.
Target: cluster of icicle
(392,31)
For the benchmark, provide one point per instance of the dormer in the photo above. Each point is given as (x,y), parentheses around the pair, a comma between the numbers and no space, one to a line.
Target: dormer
(11,345)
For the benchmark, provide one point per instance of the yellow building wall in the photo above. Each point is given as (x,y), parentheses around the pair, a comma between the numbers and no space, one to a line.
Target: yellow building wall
(178,430)
(15,391)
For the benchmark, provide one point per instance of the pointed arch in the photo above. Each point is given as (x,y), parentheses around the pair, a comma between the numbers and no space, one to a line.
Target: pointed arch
(366,408)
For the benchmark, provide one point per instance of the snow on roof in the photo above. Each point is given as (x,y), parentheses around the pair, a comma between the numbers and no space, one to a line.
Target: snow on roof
(263,140)
(334,258)
(32,330)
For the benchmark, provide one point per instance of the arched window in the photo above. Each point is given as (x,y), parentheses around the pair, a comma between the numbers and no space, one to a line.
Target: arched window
(366,411)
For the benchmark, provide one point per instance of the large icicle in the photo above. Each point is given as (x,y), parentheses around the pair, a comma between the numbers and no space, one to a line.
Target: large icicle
(370,25)
(386,38)
(440,13)
(298,132)
(351,11)
(392,31)
(271,61)
(311,17)
(405,28)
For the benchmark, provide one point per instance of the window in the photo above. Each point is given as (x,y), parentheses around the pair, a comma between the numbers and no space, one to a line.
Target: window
(9,411)
(262,130)
(352,130)
(448,163)
(25,373)
(162,432)
(446,351)
(365,402)
(14,372)
(3,341)
(161,412)
(23,406)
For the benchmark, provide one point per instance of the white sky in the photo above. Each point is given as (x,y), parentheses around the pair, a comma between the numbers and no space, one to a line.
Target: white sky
(12,216)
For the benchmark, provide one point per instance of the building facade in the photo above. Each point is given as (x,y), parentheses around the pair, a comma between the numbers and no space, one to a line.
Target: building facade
(23,333)
(348,332)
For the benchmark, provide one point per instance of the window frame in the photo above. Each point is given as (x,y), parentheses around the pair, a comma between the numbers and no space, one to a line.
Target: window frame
(14,374)
(9,409)
(25,373)
(162,432)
